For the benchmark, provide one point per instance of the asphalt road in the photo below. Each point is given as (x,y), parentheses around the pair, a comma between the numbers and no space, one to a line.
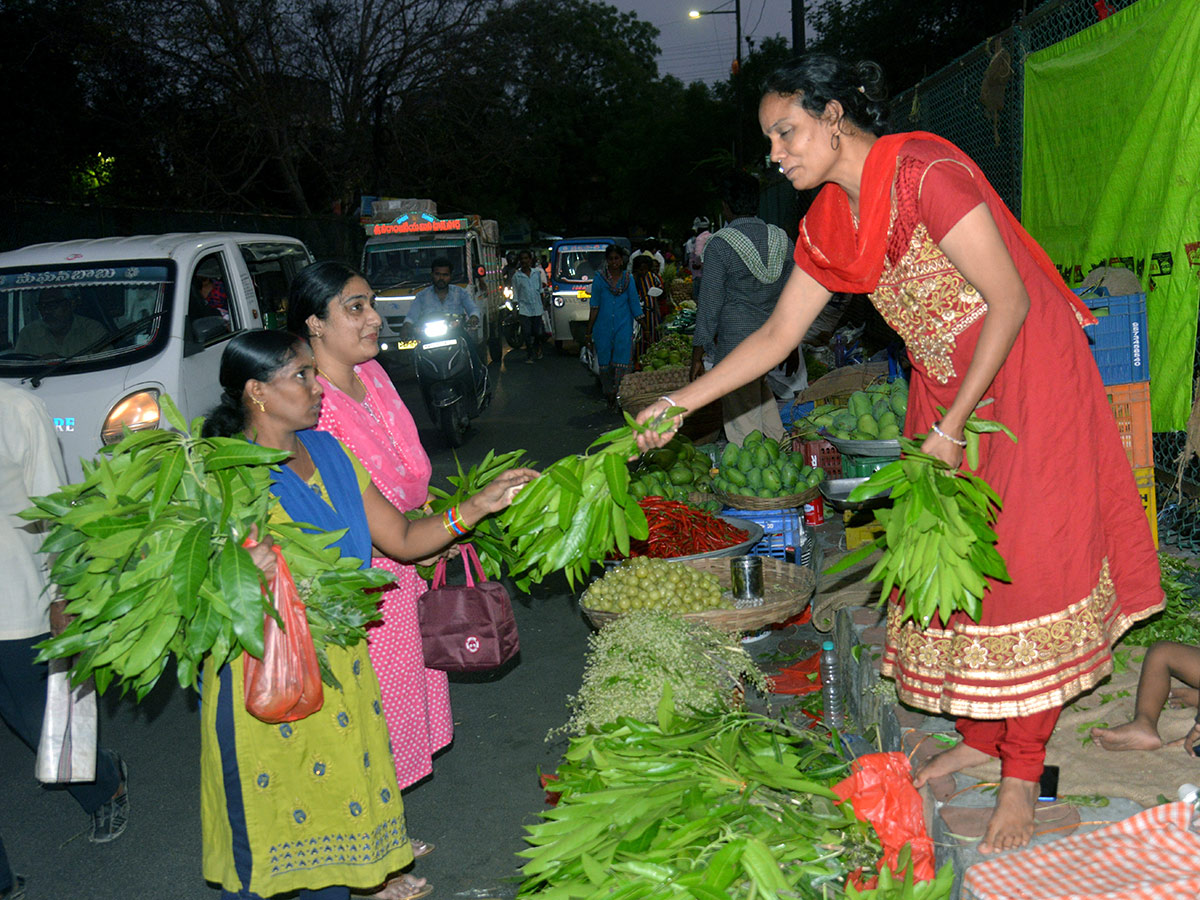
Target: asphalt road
(484,787)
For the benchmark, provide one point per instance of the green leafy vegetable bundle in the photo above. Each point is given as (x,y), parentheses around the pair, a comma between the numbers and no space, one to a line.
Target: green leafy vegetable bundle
(151,563)
(713,806)
(633,659)
(938,544)
(578,511)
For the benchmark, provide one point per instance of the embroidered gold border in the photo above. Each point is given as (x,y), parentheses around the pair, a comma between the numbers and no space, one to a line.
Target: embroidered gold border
(990,672)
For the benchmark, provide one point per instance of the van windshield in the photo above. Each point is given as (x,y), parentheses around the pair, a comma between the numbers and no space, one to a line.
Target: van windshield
(579,263)
(54,312)
(391,266)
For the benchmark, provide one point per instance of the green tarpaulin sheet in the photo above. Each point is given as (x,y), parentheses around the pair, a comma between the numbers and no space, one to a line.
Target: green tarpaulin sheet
(1111,168)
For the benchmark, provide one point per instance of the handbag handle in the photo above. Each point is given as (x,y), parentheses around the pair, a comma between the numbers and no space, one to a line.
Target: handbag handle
(468,554)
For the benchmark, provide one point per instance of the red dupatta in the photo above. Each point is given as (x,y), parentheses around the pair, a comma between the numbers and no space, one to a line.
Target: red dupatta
(844,257)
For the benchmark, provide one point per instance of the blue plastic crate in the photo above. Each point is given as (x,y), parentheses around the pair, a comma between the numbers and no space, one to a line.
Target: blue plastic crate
(1119,340)
(782,528)
(793,411)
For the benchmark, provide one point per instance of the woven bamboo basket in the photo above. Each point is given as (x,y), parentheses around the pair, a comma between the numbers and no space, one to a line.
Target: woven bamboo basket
(787,586)
(742,501)
(639,389)
(841,383)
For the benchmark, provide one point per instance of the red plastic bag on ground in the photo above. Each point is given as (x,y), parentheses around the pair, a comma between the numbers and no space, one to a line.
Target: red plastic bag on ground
(881,789)
(285,685)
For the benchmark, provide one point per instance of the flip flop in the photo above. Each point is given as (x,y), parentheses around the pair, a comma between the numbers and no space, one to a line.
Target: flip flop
(395,890)
(420,848)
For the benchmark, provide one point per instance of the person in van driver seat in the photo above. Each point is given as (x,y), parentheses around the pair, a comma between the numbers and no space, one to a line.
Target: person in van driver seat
(59,332)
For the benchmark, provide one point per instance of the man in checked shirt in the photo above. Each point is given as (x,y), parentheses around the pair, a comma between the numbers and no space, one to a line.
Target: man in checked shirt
(746,265)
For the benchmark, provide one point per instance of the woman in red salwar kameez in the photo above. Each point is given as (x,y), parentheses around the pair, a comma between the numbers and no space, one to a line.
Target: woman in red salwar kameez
(912,221)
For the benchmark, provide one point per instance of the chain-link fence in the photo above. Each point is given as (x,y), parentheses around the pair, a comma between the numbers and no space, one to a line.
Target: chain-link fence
(977,102)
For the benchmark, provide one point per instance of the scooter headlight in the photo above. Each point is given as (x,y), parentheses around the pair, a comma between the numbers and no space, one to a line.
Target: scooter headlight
(508,293)
(435,328)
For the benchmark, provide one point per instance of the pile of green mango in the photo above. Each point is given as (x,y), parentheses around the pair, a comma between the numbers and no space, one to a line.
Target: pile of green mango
(673,472)
(672,350)
(873,414)
(761,468)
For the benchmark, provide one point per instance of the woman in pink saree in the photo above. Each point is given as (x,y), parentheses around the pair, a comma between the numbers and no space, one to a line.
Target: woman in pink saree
(334,307)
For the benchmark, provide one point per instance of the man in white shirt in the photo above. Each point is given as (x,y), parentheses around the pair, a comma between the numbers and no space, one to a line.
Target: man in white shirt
(31,465)
(442,298)
(527,283)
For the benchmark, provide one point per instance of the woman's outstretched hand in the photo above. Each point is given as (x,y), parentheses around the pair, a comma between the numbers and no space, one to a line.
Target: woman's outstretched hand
(652,415)
(503,490)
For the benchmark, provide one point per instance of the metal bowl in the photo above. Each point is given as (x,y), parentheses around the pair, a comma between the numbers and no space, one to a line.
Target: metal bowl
(836,492)
(890,447)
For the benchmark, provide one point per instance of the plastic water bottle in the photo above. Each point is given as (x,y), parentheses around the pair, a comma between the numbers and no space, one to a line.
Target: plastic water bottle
(831,690)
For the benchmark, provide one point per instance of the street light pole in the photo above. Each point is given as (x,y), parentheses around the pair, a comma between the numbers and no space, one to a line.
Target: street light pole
(736,12)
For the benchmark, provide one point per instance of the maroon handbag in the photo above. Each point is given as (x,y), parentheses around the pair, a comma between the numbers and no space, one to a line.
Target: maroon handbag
(467,628)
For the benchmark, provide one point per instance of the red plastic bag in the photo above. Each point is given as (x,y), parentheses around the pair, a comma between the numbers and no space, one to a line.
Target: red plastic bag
(794,679)
(285,685)
(881,789)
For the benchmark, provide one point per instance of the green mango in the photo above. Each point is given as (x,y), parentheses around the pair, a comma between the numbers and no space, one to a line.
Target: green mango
(752,439)
(661,457)
(789,474)
(729,456)
(889,432)
(867,425)
(771,480)
(736,476)
(879,407)
(754,478)
(772,447)
(859,404)
(681,475)
(899,403)
(761,457)
(746,461)
(888,418)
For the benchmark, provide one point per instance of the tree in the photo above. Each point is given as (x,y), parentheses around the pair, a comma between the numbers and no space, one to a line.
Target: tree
(909,40)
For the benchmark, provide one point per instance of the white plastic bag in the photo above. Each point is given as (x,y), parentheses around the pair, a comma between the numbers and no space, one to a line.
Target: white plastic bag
(67,748)
(587,356)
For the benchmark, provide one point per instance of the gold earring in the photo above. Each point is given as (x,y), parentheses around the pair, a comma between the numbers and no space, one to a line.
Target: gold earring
(262,407)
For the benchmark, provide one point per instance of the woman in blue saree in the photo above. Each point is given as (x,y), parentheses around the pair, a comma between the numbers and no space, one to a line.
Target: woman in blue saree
(312,805)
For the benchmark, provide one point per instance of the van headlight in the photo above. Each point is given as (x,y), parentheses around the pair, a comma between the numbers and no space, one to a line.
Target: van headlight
(136,412)
(435,328)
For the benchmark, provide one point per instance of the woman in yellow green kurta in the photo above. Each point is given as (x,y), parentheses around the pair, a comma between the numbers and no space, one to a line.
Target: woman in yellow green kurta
(310,805)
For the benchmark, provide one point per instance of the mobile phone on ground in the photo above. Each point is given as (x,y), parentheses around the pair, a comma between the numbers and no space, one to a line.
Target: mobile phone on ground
(1048,784)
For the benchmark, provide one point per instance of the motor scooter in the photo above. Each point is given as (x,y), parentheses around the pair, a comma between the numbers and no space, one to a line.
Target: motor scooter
(510,321)
(453,380)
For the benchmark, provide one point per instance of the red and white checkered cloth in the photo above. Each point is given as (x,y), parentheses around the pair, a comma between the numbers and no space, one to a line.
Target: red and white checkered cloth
(1149,856)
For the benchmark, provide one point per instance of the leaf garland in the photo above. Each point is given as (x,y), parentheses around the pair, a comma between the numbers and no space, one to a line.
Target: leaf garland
(150,562)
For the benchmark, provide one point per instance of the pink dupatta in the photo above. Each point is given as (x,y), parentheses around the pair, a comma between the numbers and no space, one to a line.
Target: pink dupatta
(389,447)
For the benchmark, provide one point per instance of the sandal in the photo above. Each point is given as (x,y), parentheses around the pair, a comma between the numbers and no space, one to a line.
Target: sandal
(404,887)
(420,848)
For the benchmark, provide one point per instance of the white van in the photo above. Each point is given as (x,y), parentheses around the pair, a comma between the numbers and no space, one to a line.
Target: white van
(99,329)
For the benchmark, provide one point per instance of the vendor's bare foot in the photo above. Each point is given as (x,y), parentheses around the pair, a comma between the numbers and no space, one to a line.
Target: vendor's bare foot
(1135,735)
(948,762)
(1011,824)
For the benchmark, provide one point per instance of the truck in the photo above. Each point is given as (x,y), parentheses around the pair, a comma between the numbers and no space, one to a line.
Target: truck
(100,329)
(574,262)
(404,237)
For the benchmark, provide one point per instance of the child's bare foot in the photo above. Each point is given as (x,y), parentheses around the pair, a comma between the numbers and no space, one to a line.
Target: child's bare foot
(948,762)
(1135,735)
(1011,824)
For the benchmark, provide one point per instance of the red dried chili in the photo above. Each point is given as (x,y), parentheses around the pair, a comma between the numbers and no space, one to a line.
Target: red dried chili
(677,529)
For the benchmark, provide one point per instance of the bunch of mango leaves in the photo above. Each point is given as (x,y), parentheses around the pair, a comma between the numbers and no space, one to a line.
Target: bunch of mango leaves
(709,807)
(938,543)
(150,559)
(574,515)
